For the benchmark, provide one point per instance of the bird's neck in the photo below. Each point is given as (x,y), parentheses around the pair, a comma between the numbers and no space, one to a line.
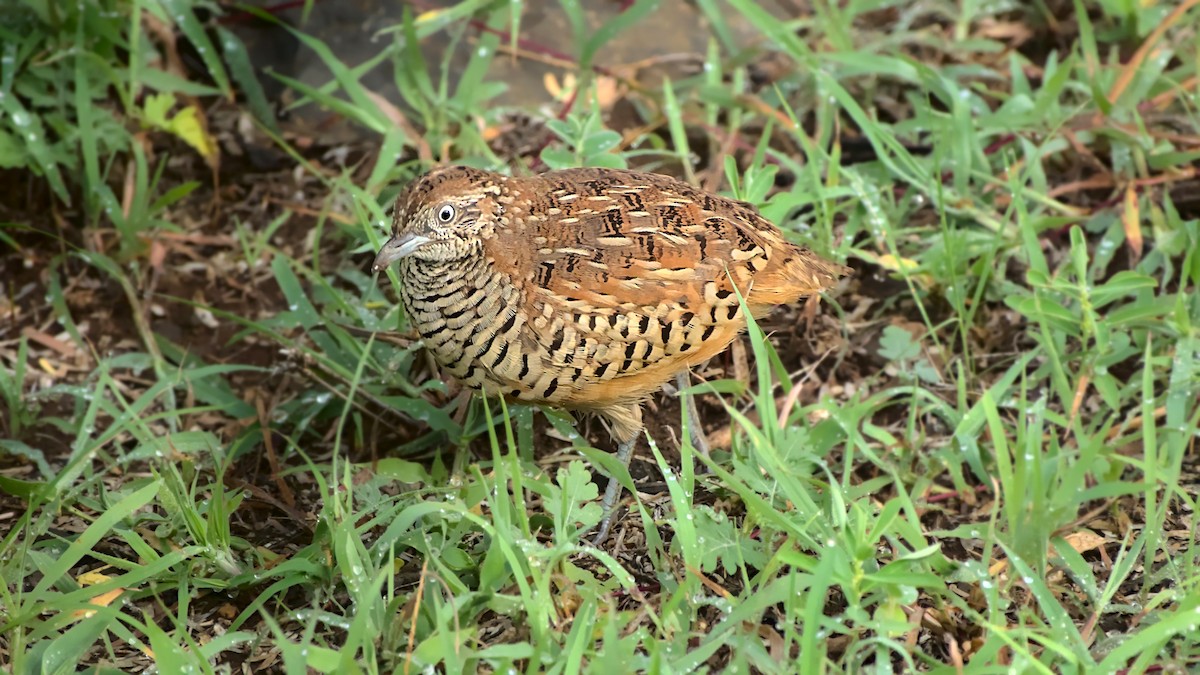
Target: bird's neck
(435,273)
(440,277)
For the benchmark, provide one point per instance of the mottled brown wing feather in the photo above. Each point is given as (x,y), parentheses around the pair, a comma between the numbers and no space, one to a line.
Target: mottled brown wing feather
(646,266)
(624,240)
(619,244)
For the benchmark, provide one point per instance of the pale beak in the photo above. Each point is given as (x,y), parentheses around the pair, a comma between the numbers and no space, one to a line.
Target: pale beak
(398,247)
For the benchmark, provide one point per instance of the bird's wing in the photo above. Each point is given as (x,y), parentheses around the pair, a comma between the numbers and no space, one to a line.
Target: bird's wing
(637,271)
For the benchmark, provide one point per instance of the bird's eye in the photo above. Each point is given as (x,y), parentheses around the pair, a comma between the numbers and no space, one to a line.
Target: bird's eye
(445,213)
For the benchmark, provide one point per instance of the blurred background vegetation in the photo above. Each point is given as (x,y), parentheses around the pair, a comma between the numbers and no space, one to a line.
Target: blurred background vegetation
(220,450)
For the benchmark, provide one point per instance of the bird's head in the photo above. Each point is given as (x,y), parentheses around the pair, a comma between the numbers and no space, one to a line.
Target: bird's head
(442,216)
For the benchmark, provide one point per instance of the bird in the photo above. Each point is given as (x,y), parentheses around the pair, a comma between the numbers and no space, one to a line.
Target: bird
(586,289)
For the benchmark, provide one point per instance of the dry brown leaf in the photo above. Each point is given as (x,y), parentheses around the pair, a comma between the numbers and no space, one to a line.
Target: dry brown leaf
(1012,31)
(1084,540)
(92,578)
(608,91)
(102,600)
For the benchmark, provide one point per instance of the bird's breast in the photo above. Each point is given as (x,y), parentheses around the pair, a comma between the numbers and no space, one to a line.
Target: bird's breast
(472,319)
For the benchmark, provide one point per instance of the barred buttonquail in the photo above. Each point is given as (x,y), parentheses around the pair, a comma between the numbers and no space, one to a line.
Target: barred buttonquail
(585,288)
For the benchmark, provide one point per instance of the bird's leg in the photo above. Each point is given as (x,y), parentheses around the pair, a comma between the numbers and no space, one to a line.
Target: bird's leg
(699,442)
(625,424)
(624,453)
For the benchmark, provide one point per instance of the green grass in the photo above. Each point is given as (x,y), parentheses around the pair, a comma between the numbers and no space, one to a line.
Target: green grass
(986,458)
